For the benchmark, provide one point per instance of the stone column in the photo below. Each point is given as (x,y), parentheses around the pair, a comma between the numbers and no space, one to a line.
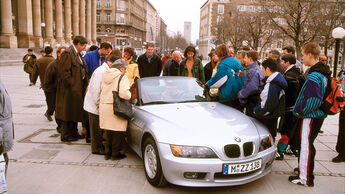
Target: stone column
(7,39)
(88,21)
(48,10)
(93,22)
(36,9)
(25,37)
(68,21)
(75,18)
(58,21)
(82,18)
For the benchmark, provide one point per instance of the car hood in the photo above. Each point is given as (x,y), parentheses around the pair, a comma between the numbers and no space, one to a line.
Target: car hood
(197,123)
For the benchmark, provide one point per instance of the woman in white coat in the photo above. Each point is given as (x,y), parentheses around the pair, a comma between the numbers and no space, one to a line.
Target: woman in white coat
(113,125)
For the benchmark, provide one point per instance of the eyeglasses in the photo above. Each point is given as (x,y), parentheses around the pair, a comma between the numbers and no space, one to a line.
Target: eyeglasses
(324,60)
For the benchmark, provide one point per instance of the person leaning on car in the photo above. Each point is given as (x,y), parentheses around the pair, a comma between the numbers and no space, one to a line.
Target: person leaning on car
(113,125)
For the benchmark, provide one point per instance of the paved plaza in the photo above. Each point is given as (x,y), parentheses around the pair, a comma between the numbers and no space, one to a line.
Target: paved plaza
(40,163)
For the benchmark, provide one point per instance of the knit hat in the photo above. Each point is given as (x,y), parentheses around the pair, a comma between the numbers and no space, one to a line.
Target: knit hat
(119,63)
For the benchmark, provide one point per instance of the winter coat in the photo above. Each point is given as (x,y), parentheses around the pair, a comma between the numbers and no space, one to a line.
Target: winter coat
(272,98)
(166,67)
(208,71)
(6,122)
(149,69)
(92,96)
(107,119)
(93,60)
(50,77)
(295,79)
(72,82)
(229,79)
(313,90)
(173,68)
(197,69)
(132,71)
(40,69)
(29,65)
(253,83)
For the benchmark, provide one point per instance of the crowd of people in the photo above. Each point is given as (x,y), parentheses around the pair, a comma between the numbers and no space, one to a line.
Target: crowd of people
(278,92)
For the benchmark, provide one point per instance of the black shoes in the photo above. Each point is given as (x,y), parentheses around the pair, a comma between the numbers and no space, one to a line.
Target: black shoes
(338,159)
(118,157)
(296,180)
(48,116)
(69,139)
(279,155)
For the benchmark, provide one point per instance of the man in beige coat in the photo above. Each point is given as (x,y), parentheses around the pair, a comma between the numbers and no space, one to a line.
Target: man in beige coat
(113,125)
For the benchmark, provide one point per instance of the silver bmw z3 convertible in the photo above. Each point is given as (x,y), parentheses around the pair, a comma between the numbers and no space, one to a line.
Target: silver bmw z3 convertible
(186,139)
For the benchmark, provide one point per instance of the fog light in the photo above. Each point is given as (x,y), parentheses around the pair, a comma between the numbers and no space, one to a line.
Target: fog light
(194,175)
(269,163)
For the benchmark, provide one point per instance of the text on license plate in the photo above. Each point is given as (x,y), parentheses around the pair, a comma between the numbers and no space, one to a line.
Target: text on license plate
(242,168)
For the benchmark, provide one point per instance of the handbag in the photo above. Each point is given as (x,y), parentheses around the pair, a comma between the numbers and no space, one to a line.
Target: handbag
(122,107)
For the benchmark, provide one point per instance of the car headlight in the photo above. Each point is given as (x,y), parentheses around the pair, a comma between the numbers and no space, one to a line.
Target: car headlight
(265,143)
(192,152)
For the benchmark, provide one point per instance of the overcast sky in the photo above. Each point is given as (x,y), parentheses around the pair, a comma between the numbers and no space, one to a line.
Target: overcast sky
(176,12)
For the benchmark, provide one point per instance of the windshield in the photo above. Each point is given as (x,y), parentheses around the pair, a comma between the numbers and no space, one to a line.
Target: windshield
(161,90)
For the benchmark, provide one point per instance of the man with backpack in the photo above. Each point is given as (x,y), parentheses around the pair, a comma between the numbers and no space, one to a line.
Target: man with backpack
(308,108)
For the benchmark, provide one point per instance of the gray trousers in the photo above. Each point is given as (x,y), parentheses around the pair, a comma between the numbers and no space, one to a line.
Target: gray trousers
(96,133)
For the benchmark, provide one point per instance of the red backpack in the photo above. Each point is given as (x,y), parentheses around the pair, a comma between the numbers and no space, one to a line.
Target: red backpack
(334,100)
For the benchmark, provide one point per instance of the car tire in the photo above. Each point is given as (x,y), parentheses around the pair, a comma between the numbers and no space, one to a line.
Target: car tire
(152,165)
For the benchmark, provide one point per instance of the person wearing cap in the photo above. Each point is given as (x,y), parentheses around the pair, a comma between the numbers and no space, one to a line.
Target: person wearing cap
(29,62)
(91,105)
(165,58)
(113,125)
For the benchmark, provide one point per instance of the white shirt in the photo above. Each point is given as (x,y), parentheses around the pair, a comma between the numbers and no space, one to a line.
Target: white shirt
(92,97)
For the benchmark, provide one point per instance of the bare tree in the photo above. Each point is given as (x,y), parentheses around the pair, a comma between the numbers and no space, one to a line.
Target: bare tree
(292,18)
(177,41)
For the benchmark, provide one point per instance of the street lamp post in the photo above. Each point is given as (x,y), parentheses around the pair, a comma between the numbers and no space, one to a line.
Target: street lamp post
(43,25)
(338,34)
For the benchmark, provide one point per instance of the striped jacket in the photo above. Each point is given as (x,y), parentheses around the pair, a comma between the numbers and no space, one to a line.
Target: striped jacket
(312,93)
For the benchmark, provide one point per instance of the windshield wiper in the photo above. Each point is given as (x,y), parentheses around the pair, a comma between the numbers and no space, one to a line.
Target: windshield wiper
(157,102)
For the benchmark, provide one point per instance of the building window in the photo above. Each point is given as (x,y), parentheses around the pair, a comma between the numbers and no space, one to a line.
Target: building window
(108,3)
(98,3)
(219,19)
(121,5)
(120,18)
(108,17)
(108,30)
(98,17)
(220,9)
(120,42)
(242,8)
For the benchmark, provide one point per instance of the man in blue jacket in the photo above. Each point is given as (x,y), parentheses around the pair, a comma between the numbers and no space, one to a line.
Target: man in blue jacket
(271,105)
(307,107)
(96,58)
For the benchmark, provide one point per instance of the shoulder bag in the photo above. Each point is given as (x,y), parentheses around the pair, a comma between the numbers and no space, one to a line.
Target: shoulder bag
(122,107)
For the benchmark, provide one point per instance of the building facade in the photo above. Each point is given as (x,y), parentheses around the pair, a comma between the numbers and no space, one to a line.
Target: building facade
(187,32)
(121,22)
(37,23)
(151,24)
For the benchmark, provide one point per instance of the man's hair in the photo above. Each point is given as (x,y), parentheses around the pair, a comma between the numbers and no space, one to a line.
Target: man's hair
(29,50)
(222,51)
(289,58)
(129,50)
(275,53)
(93,48)
(149,45)
(58,50)
(42,51)
(271,64)
(211,53)
(241,52)
(48,50)
(106,46)
(113,59)
(290,49)
(79,39)
(312,48)
(189,49)
(252,54)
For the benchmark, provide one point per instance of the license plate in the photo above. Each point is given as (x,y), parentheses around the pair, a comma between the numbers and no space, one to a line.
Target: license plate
(242,168)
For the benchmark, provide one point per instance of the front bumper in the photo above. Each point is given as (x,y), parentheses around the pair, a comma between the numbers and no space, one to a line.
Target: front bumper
(175,167)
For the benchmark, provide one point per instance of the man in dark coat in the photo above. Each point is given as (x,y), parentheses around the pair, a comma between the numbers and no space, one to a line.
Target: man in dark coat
(149,64)
(29,62)
(175,64)
(39,70)
(289,122)
(50,83)
(72,82)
